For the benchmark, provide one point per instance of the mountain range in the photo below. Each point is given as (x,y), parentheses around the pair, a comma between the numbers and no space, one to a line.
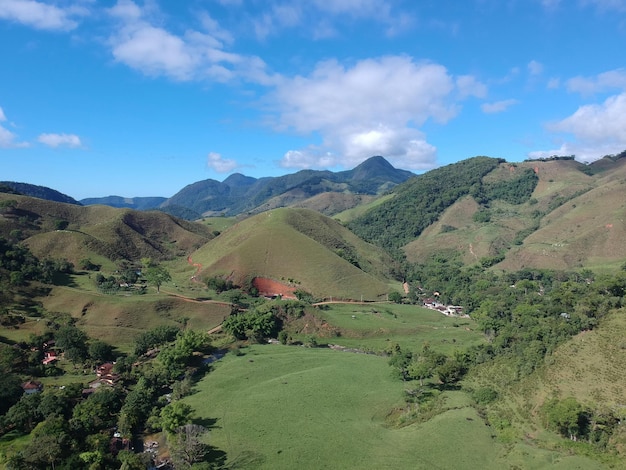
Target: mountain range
(554,213)
(239,194)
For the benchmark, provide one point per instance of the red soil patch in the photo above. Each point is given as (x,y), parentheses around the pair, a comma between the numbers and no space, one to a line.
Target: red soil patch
(267,287)
(198,267)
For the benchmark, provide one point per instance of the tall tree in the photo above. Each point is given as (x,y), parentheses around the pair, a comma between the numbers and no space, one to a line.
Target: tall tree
(187,446)
(73,341)
(157,275)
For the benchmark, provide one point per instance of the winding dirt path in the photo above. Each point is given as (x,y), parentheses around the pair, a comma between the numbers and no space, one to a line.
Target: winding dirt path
(198,267)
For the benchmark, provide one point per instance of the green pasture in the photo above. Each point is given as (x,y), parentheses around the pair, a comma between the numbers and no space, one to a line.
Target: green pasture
(218,223)
(355,212)
(119,318)
(285,407)
(377,326)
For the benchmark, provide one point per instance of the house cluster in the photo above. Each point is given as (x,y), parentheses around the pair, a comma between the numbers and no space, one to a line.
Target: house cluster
(50,354)
(448,310)
(105,376)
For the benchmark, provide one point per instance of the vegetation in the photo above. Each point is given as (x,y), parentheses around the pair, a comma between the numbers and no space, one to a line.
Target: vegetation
(420,201)
(524,369)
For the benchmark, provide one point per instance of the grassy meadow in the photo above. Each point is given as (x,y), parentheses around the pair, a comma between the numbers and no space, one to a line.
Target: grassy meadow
(285,407)
(376,327)
(119,318)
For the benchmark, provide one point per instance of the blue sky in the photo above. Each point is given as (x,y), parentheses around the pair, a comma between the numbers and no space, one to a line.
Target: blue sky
(141,98)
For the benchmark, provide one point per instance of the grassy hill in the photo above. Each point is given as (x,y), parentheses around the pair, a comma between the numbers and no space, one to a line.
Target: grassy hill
(590,368)
(33,190)
(103,233)
(119,320)
(571,218)
(285,407)
(475,229)
(586,231)
(301,247)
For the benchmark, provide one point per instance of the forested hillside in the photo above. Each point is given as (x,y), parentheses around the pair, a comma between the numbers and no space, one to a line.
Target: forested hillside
(420,201)
(42,192)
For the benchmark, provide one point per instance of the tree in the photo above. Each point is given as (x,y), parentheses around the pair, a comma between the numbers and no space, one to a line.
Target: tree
(74,342)
(10,391)
(175,415)
(157,275)
(132,461)
(567,417)
(45,450)
(395,297)
(187,446)
(450,372)
(97,412)
(420,369)
(24,415)
(99,351)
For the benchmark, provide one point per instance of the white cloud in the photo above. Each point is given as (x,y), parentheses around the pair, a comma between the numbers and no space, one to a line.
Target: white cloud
(8,139)
(550,4)
(470,86)
(367,8)
(222,165)
(613,79)
(60,140)
(191,55)
(597,122)
(582,153)
(323,19)
(535,68)
(39,15)
(598,130)
(554,83)
(374,107)
(498,106)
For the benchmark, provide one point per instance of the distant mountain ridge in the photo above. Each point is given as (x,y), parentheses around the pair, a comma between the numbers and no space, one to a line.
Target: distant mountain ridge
(138,203)
(41,192)
(244,194)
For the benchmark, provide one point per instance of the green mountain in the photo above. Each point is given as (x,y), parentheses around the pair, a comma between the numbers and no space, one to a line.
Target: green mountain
(105,234)
(42,192)
(300,248)
(241,194)
(138,203)
(555,214)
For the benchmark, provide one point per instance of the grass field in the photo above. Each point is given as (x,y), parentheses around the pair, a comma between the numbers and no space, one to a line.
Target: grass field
(119,318)
(377,326)
(285,407)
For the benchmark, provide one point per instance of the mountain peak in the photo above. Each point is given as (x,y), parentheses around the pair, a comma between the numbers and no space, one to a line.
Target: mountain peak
(376,160)
(237,179)
(377,168)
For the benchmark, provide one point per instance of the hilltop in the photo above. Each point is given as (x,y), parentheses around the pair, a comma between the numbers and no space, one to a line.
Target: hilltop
(33,190)
(300,248)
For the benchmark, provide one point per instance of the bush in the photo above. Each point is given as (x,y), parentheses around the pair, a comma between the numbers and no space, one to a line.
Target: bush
(484,395)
